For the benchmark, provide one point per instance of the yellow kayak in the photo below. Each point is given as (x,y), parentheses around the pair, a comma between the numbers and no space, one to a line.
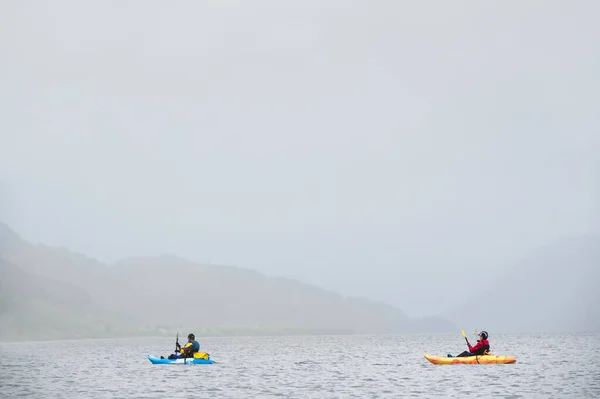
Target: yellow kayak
(484,359)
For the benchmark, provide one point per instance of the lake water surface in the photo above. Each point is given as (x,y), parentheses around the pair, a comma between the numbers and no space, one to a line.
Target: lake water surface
(548,366)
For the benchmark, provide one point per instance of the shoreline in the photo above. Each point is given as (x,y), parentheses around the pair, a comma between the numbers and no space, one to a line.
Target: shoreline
(224,335)
(270,334)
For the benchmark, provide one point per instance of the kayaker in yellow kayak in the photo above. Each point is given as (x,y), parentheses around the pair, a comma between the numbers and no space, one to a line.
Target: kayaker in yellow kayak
(481,347)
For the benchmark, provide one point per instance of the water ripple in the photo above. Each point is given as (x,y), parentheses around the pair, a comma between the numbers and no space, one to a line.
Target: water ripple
(564,366)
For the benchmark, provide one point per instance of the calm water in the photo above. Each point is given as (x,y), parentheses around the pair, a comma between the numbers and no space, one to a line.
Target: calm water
(560,366)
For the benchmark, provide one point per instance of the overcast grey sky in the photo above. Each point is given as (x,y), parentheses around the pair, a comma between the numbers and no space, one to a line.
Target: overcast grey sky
(384,149)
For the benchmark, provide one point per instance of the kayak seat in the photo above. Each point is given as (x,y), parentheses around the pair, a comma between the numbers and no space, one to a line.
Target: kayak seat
(481,351)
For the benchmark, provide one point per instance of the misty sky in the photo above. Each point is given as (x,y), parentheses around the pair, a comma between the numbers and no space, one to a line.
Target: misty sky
(382,149)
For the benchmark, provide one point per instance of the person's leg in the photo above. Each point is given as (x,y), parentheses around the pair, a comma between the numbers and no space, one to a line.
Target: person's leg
(465,354)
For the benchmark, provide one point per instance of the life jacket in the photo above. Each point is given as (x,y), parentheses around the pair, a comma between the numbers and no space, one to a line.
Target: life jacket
(194,344)
(481,347)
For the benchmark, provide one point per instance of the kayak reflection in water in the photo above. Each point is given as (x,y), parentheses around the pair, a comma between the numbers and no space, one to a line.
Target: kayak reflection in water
(188,350)
(480,348)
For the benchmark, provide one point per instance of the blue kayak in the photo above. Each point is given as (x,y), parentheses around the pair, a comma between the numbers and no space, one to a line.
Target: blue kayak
(158,360)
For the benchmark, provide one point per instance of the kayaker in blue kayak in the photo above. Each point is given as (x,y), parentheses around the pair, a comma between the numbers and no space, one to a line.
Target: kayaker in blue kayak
(190,347)
(188,350)
(481,347)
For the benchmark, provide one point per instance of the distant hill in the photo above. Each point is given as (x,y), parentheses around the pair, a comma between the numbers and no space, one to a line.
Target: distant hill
(53,293)
(554,290)
(33,306)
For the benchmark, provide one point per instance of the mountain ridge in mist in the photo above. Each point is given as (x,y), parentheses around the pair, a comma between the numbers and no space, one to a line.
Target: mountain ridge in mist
(555,289)
(50,292)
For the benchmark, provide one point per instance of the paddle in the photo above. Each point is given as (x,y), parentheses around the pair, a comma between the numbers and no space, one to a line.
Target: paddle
(177,346)
(465,336)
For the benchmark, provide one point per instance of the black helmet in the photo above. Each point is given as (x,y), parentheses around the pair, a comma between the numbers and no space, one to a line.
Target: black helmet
(483,335)
(191,336)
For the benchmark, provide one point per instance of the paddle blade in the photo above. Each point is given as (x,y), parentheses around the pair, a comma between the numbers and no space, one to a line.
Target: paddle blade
(463,333)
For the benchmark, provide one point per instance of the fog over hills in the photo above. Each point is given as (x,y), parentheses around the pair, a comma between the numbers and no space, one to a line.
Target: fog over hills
(441,162)
(50,293)
(53,293)
(380,149)
(557,288)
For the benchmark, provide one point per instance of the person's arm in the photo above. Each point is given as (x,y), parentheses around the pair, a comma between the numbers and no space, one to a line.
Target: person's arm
(477,346)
